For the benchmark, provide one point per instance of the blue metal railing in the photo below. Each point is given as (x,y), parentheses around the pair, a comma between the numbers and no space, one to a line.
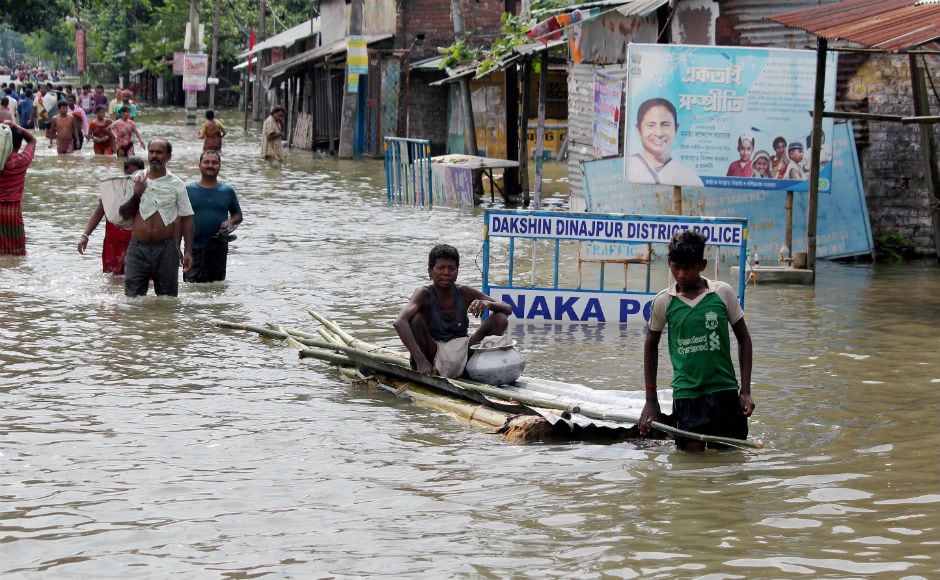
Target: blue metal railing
(408,171)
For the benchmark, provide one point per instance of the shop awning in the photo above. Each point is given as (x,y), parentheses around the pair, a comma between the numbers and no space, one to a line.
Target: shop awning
(274,72)
(287,38)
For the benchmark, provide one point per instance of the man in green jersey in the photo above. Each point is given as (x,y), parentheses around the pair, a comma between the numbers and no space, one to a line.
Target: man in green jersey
(706,396)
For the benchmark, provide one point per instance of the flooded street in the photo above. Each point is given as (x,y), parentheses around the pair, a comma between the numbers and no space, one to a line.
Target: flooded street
(137,441)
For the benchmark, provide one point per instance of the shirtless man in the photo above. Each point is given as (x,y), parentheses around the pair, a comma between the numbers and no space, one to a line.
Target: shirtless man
(64,130)
(434,324)
(156,201)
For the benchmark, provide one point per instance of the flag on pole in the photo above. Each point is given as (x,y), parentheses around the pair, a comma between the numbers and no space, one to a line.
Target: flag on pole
(251,45)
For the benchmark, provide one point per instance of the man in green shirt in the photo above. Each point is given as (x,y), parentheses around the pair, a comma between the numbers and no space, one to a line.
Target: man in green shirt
(698,311)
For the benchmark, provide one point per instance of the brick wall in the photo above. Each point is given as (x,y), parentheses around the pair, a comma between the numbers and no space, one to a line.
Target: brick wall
(428,117)
(481,20)
(892,163)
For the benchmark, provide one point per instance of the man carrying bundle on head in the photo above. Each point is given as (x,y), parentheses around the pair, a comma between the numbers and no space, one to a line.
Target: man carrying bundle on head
(434,324)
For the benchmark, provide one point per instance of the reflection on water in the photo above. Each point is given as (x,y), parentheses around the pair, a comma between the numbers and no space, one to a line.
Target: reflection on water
(138,441)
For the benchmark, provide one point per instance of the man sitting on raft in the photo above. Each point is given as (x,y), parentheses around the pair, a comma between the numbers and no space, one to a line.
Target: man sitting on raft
(434,324)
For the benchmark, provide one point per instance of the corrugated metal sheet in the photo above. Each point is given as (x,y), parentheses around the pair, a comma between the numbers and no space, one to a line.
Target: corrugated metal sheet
(889,25)
(581,120)
(744,23)
(641,8)
(287,38)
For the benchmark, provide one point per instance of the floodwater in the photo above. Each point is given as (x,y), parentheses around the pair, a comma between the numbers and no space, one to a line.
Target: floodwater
(137,441)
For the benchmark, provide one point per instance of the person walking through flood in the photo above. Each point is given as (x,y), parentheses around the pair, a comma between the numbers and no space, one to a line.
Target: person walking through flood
(272,137)
(116,237)
(705,392)
(64,130)
(12,184)
(124,130)
(99,132)
(434,324)
(216,213)
(212,132)
(155,202)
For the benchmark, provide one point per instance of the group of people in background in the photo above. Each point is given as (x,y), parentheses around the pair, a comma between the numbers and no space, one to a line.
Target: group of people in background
(23,72)
(70,117)
(157,224)
(787,161)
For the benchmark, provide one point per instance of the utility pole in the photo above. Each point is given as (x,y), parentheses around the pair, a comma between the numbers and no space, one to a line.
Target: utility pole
(350,113)
(466,101)
(215,53)
(258,108)
(194,45)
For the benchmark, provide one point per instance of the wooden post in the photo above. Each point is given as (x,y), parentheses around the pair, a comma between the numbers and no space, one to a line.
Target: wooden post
(677,199)
(540,127)
(514,133)
(524,122)
(928,147)
(257,111)
(789,226)
(812,206)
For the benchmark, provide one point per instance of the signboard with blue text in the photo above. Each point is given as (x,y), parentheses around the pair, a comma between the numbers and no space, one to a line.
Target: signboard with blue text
(843,227)
(561,302)
(729,117)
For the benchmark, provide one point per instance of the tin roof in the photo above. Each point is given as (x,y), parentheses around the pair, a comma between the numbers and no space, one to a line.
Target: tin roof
(888,25)
(286,38)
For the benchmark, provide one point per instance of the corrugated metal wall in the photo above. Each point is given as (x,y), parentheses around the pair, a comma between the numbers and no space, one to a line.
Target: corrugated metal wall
(581,123)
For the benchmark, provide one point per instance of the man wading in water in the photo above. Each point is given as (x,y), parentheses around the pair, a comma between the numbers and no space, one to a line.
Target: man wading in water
(157,199)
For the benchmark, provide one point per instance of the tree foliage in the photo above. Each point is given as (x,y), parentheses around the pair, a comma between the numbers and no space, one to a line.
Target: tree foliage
(25,16)
(124,35)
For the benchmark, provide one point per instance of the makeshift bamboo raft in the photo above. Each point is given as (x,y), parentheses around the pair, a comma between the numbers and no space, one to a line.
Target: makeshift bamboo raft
(528,410)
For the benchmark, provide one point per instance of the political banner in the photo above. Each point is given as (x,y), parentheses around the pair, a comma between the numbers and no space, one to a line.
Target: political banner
(728,117)
(843,227)
(195,70)
(608,92)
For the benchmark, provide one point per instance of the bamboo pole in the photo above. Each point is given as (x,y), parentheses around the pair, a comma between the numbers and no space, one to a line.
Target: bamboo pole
(595,412)
(398,366)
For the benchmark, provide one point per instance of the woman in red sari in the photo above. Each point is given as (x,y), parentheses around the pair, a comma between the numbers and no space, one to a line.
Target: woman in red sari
(99,131)
(116,238)
(12,184)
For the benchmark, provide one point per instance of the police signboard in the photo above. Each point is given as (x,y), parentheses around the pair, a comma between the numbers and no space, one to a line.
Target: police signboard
(567,301)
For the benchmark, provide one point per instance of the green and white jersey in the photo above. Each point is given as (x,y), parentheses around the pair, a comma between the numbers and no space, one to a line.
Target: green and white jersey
(698,338)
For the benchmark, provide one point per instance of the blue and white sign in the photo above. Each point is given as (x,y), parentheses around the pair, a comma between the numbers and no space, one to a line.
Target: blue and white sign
(608,228)
(561,302)
(729,117)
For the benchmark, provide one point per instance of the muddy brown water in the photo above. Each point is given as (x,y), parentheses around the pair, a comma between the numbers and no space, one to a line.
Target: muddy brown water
(137,441)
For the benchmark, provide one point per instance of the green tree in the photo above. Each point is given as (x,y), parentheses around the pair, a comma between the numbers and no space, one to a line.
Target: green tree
(26,16)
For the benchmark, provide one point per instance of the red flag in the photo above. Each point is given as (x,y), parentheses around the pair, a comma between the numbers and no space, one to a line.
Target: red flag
(251,45)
